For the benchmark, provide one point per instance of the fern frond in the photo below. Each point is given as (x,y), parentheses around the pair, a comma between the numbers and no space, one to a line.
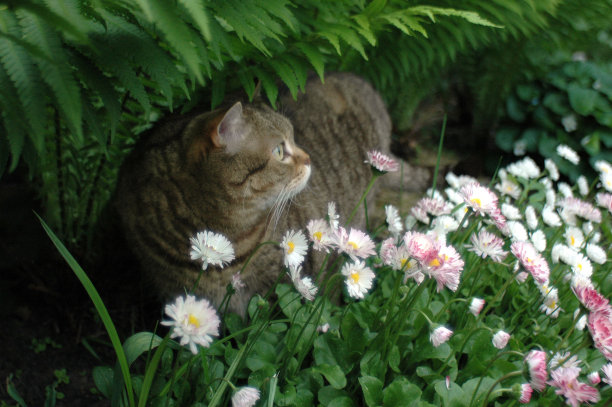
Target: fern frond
(11,112)
(287,75)
(197,10)
(22,71)
(469,16)
(177,33)
(313,56)
(268,84)
(57,74)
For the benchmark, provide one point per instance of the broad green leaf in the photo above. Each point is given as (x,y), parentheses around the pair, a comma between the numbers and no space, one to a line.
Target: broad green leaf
(334,375)
(287,75)
(372,390)
(401,393)
(103,379)
(581,99)
(139,343)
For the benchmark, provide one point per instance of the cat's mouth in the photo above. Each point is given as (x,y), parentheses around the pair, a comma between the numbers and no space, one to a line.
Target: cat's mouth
(298,183)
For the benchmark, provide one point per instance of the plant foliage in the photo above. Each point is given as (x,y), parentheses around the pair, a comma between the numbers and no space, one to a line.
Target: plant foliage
(79,80)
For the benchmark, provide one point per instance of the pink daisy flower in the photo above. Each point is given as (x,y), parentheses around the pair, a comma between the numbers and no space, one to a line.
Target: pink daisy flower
(420,246)
(526,391)
(577,207)
(565,380)
(480,198)
(356,243)
(500,339)
(476,306)
(381,162)
(432,206)
(594,377)
(531,260)
(445,268)
(607,371)
(486,244)
(536,361)
(600,327)
(604,200)
(591,299)
(440,335)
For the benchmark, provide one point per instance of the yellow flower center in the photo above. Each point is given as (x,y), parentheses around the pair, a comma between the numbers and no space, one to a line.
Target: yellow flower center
(403,262)
(573,240)
(353,245)
(291,247)
(193,321)
(355,277)
(476,201)
(318,235)
(553,305)
(579,265)
(434,263)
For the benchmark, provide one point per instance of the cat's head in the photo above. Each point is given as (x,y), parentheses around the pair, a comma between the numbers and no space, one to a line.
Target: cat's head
(250,151)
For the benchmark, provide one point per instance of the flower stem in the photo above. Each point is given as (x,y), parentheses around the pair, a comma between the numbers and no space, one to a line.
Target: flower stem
(363,197)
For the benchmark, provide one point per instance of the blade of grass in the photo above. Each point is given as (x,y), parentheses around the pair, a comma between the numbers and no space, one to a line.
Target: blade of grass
(100,308)
(150,373)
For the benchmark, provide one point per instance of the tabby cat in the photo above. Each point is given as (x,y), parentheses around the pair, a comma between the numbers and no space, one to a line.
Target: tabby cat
(248,173)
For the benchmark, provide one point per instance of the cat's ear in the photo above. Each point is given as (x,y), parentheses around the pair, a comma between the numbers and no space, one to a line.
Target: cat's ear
(231,129)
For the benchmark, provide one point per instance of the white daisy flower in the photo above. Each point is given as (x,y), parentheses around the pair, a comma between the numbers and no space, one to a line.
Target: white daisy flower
(444,224)
(480,198)
(565,190)
(596,253)
(440,335)
(359,278)
(194,322)
(583,185)
(320,234)
(551,304)
(582,266)
(453,196)
(295,246)
(245,397)
(574,238)
(381,162)
(487,244)
(569,123)
(531,218)
(568,153)
(551,198)
(511,212)
(517,231)
(557,251)
(526,168)
(606,180)
(393,220)
(552,169)
(603,166)
(303,285)
(550,216)
(211,248)
(538,238)
(508,187)
(356,243)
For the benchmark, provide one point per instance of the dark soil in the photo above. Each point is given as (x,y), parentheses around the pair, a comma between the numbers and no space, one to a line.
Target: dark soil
(52,337)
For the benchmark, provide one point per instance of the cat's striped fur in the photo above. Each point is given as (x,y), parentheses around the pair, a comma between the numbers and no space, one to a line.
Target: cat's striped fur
(180,179)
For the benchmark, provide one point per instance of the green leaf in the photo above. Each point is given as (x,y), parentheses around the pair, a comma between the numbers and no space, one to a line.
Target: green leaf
(470,16)
(334,375)
(454,396)
(581,99)
(197,11)
(12,114)
(57,74)
(177,33)
(271,91)
(103,379)
(372,390)
(139,343)
(314,56)
(401,393)
(287,75)
(515,109)
(100,308)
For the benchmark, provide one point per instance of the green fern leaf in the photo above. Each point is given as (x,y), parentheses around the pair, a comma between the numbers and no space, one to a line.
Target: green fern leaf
(197,11)
(66,19)
(218,90)
(287,75)
(228,12)
(245,76)
(96,81)
(406,23)
(470,16)
(176,32)
(278,9)
(300,69)
(259,19)
(332,38)
(20,68)
(364,28)
(375,7)
(57,74)
(269,86)
(11,114)
(314,56)
(351,38)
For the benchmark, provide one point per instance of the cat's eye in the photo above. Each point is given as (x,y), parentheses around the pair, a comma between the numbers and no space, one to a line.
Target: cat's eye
(279,152)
